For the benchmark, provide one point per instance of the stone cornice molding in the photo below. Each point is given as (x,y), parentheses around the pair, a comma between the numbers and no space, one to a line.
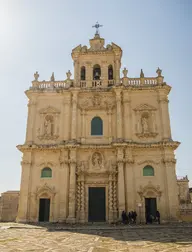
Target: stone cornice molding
(145,107)
(46,164)
(26,162)
(169,160)
(148,162)
(133,145)
(49,110)
(146,135)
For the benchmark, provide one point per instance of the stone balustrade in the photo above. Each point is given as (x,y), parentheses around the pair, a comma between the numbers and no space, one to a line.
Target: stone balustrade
(51,85)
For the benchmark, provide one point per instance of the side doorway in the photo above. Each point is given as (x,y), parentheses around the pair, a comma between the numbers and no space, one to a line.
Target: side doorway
(150,209)
(44,210)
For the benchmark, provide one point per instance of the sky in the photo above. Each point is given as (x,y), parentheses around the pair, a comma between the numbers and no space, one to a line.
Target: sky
(39,35)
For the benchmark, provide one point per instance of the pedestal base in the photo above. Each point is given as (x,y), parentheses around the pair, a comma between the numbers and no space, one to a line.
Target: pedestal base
(71,220)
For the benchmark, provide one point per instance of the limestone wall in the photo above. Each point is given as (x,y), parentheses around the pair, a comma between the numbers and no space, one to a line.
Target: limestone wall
(9,205)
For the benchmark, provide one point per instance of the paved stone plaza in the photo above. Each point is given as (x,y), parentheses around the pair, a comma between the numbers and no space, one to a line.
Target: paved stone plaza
(15,238)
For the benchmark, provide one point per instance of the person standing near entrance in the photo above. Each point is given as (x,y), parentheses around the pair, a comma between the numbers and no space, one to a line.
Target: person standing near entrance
(158,216)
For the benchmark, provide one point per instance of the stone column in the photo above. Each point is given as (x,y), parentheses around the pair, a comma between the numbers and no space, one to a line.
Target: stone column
(138,122)
(22,215)
(104,74)
(154,130)
(121,181)
(65,119)
(89,74)
(74,116)
(163,101)
(76,71)
(82,207)
(117,71)
(109,112)
(72,187)
(114,184)
(110,198)
(63,181)
(129,180)
(119,113)
(41,124)
(83,113)
(172,188)
(56,125)
(31,120)
(127,122)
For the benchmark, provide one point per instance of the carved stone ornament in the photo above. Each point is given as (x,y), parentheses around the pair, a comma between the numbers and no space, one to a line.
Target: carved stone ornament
(36,76)
(68,75)
(145,117)
(49,124)
(45,189)
(145,107)
(52,77)
(159,71)
(148,162)
(125,72)
(142,74)
(97,101)
(150,191)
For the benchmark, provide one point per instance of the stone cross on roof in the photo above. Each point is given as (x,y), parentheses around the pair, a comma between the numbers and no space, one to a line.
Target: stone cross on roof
(97,25)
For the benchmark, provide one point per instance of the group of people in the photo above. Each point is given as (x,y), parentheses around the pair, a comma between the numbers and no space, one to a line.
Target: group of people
(129,218)
(150,218)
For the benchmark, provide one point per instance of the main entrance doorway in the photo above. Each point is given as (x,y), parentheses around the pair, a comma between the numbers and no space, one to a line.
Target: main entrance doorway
(96,204)
(44,209)
(150,208)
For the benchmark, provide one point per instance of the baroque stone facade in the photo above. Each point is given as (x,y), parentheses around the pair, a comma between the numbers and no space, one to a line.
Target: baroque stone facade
(98,130)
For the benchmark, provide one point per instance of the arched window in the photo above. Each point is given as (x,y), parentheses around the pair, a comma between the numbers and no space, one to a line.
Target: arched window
(96,126)
(110,72)
(46,172)
(83,73)
(148,171)
(96,72)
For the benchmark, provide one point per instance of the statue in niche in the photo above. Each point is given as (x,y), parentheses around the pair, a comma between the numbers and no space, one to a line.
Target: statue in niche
(48,127)
(97,159)
(145,124)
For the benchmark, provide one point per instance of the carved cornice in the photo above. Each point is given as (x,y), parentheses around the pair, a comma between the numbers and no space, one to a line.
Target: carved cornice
(148,162)
(146,135)
(125,144)
(169,160)
(49,110)
(145,107)
(48,137)
(26,162)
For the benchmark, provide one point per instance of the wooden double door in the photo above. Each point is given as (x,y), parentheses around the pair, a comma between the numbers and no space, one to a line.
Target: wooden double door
(97,204)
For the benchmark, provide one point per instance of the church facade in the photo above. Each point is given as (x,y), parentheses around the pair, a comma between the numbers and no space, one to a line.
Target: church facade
(98,144)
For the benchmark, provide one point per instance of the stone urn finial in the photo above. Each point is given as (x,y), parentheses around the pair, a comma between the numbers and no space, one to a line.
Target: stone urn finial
(52,77)
(159,71)
(142,74)
(36,76)
(68,75)
(125,72)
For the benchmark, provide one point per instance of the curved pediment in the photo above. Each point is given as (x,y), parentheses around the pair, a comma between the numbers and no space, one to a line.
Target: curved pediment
(144,107)
(45,189)
(49,110)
